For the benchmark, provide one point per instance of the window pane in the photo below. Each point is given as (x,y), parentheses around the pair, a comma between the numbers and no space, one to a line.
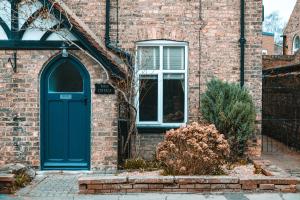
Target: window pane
(148,58)
(297,42)
(65,78)
(148,98)
(173,98)
(174,58)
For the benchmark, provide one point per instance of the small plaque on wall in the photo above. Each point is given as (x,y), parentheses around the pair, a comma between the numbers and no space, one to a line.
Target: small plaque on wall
(104,88)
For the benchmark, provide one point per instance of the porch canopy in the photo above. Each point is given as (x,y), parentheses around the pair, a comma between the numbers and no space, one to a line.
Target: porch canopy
(50,24)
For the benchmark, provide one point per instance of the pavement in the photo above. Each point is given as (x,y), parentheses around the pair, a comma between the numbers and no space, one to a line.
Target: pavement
(63,186)
(52,185)
(155,196)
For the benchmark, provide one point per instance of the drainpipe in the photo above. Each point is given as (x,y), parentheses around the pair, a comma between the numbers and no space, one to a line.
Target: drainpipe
(242,44)
(108,43)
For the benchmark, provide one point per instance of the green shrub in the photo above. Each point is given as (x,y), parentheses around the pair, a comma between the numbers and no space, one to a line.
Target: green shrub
(141,164)
(136,163)
(21,180)
(196,149)
(231,109)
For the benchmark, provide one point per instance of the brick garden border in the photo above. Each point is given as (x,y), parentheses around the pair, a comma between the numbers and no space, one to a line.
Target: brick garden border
(6,183)
(131,184)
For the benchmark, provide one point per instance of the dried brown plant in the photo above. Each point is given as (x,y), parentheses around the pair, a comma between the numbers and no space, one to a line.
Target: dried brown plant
(196,149)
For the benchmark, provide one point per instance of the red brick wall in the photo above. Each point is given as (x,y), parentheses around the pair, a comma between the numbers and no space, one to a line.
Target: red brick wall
(268,44)
(211,25)
(274,61)
(212,29)
(20,97)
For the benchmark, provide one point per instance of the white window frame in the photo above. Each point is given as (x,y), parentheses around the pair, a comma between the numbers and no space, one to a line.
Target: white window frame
(160,72)
(294,43)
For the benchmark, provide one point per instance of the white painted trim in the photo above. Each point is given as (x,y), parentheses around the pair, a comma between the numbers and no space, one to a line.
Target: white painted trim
(161,42)
(26,10)
(160,73)
(294,43)
(38,28)
(3,35)
(160,97)
(186,62)
(168,59)
(33,34)
(62,35)
(5,12)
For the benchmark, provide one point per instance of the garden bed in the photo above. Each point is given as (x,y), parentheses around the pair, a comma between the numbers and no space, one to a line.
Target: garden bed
(238,178)
(238,170)
(14,176)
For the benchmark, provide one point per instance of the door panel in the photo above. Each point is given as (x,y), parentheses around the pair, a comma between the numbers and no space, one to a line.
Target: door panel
(65,114)
(77,130)
(57,129)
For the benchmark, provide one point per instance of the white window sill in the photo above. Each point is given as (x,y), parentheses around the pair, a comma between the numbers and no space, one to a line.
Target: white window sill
(165,125)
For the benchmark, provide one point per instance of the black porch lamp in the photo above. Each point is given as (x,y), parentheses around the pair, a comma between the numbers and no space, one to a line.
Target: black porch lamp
(64,51)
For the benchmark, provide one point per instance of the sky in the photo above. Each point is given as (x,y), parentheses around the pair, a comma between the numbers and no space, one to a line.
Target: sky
(284,7)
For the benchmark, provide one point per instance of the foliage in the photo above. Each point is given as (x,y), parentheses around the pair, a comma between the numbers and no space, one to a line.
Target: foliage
(21,180)
(136,163)
(273,23)
(258,170)
(141,164)
(196,149)
(231,109)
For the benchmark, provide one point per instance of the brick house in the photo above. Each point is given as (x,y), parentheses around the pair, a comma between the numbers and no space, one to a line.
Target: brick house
(50,114)
(268,44)
(292,31)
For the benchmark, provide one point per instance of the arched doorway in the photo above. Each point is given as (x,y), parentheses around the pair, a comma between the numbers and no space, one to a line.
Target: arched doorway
(65,115)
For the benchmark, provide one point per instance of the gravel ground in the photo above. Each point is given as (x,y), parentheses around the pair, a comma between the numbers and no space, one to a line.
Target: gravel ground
(243,171)
(141,173)
(238,171)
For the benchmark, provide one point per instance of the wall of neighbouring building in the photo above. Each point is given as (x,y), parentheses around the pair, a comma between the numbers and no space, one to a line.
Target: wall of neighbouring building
(293,28)
(275,61)
(20,111)
(268,44)
(278,49)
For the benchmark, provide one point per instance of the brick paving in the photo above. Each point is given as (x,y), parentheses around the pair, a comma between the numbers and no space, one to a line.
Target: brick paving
(53,185)
(281,157)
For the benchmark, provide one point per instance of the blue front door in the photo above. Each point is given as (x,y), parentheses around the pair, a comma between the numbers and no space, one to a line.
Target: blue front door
(65,114)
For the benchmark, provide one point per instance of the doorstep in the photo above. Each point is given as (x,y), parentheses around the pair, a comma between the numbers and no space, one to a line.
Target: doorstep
(65,172)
